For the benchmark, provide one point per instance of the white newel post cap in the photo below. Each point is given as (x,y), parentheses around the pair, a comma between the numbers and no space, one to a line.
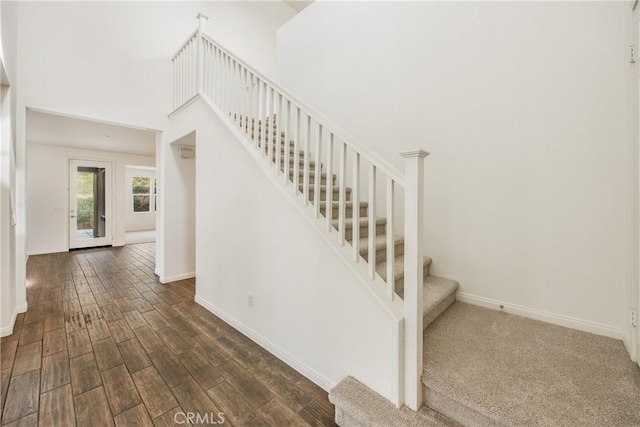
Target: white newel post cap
(420,153)
(202,19)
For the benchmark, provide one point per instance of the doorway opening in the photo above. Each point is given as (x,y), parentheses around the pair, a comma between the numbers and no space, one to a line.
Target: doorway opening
(90,222)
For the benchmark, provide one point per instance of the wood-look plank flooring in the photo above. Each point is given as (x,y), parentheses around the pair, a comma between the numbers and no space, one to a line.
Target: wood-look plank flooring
(105,344)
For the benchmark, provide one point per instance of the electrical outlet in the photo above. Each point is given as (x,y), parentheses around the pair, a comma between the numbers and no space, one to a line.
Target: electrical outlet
(634,318)
(250,294)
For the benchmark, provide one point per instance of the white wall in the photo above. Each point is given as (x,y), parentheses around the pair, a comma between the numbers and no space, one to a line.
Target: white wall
(137,221)
(176,233)
(632,130)
(47,177)
(10,305)
(522,106)
(8,310)
(112,60)
(309,307)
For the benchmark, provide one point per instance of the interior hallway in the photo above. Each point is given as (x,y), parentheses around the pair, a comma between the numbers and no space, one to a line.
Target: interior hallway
(104,343)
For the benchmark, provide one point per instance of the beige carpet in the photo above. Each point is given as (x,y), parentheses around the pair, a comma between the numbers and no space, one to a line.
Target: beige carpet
(518,371)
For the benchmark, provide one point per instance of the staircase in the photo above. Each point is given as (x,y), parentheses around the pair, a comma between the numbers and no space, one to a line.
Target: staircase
(349,193)
(439,292)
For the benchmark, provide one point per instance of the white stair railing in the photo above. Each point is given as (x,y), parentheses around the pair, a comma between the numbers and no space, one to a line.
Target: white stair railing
(305,149)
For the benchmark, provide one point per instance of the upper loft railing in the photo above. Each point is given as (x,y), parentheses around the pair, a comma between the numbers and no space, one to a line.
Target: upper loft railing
(305,149)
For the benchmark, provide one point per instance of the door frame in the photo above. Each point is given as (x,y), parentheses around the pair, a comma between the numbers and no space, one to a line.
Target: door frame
(635,300)
(109,199)
(634,294)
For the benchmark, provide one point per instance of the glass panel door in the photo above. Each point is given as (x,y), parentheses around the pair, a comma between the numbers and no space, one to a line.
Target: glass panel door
(89,203)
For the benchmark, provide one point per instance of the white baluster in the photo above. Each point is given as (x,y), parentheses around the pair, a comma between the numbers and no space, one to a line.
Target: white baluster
(317,175)
(181,80)
(390,239)
(267,129)
(372,222)
(265,112)
(245,99)
(305,167)
(287,145)
(218,76)
(255,109)
(202,19)
(413,275)
(328,211)
(296,156)
(342,193)
(241,93)
(272,141)
(278,128)
(355,200)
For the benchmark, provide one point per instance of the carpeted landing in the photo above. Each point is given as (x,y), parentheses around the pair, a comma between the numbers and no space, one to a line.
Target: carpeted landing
(485,367)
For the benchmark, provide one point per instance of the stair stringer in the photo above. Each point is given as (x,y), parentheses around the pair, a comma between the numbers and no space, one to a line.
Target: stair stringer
(376,289)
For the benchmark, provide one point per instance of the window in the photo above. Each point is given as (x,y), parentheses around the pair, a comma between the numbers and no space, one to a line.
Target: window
(141,189)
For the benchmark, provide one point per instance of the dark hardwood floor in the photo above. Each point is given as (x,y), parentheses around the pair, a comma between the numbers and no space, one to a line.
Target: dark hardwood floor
(104,343)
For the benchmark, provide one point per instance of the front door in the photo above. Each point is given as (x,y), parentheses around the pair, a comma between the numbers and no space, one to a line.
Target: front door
(90,218)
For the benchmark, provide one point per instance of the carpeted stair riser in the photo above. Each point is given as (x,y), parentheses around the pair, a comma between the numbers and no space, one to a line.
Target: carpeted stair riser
(381,227)
(399,273)
(312,163)
(282,156)
(433,314)
(356,405)
(381,269)
(323,192)
(348,208)
(312,177)
(239,118)
(381,248)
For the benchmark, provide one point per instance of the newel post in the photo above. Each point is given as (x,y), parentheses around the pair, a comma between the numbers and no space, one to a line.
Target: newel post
(413,275)
(202,20)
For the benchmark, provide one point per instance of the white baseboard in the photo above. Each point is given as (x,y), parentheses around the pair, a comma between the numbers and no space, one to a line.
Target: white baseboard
(8,330)
(176,277)
(544,316)
(281,354)
(47,251)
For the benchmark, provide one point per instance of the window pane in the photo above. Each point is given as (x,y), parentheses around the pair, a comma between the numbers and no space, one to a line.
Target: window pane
(141,203)
(85,200)
(141,185)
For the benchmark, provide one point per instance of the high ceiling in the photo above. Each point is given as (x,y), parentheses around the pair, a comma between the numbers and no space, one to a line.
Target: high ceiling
(52,129)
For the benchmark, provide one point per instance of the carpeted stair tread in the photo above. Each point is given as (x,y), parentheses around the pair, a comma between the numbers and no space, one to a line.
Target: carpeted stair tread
(312,176)
(364,221)
(347,204)
(358,405)
(323,190)
(380,243)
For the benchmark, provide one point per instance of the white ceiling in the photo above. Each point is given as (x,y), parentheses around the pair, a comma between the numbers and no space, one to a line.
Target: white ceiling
(51,129)
(298,5)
